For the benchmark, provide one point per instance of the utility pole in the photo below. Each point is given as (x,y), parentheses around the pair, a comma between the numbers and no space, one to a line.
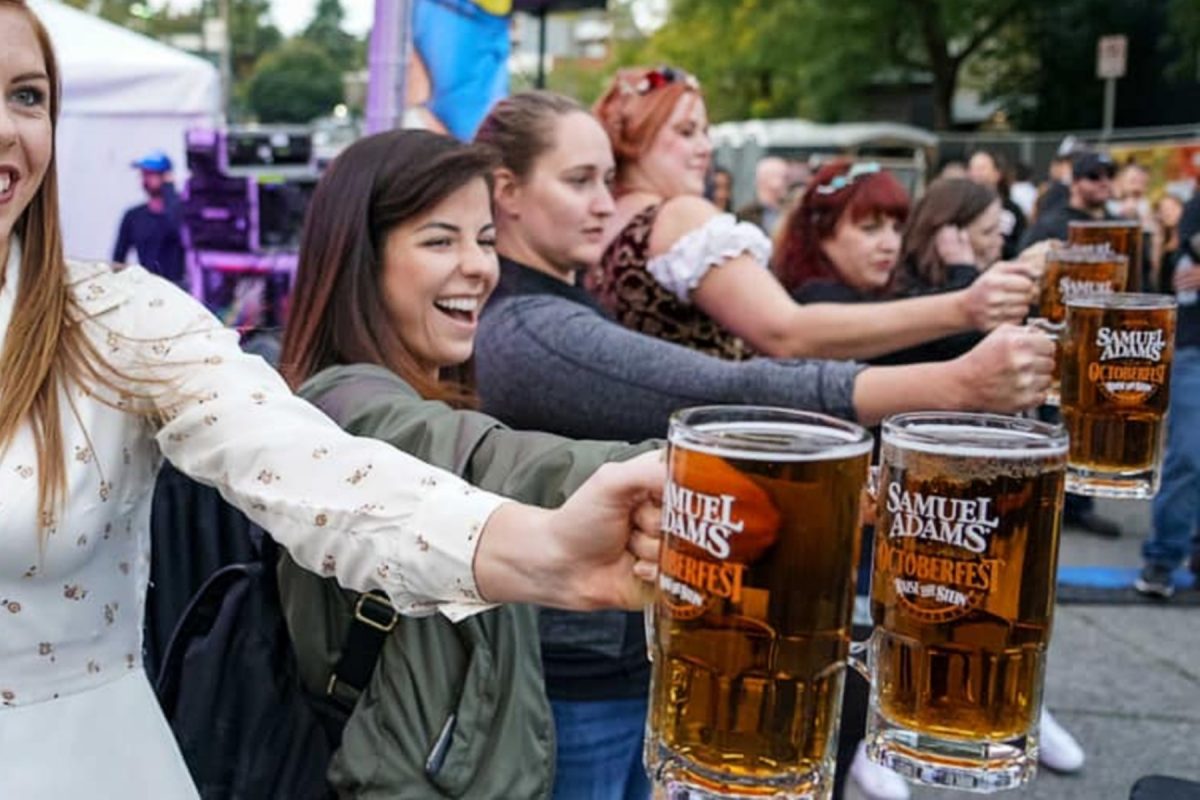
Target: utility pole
(226,57)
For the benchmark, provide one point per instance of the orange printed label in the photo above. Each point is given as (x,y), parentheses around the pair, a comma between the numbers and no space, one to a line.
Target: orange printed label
(717,521)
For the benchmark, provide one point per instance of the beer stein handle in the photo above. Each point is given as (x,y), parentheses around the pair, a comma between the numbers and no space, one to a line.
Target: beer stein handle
(1051,329)
(648,624)
(857,659)
(869,503)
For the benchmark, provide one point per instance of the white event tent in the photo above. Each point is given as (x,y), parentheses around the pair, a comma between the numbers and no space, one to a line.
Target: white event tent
(124,95)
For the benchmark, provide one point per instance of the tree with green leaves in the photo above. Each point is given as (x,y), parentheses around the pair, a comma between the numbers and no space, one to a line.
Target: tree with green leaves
(325,31)
(251,33)
(815,58)
(295,84)
(1053,86)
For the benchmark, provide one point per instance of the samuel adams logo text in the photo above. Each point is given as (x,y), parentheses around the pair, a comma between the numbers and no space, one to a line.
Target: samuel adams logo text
(1070,288)
(711,536)
(955,579)
(1138,372)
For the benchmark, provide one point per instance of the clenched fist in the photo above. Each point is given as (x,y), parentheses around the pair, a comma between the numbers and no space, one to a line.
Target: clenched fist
(1002,295)
(1008,371)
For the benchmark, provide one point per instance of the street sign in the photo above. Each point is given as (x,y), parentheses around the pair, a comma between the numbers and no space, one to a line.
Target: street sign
(1110,56)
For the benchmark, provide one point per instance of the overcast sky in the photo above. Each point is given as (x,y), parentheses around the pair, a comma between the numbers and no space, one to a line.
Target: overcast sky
(291,16)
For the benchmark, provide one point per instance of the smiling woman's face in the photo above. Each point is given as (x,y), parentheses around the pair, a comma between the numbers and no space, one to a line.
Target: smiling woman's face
(26,133)
(439,268)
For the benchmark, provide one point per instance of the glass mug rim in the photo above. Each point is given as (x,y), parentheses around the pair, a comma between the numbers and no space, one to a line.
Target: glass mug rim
(1085,254)
(730,430)
(1103,223)
(1123,301)
(959,433)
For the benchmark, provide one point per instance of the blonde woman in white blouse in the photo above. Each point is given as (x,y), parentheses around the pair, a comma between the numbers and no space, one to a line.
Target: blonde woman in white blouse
(103,373)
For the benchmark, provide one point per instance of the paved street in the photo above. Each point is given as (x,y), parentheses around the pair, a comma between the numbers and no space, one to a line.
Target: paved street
(1125,679)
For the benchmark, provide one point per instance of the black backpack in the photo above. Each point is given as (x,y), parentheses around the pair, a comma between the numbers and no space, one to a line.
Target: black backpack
(227,678)
(230,690)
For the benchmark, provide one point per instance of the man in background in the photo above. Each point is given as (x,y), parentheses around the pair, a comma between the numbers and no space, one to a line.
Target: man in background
(1091,186)
(1057,190)
(153,229)
(1130,190)
(1173,536)
(770,189)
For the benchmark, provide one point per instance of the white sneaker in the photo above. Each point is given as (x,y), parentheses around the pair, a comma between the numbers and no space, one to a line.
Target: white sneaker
(869,781)
(1058,749)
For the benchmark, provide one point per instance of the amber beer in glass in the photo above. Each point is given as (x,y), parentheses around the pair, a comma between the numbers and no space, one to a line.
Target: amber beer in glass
(1122,235)
(751,626)
(962,596)
(1074,272)
(1117,354)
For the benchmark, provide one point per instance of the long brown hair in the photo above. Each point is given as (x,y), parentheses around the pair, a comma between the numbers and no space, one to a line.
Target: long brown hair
(338,315)
(44,350)
(947,201)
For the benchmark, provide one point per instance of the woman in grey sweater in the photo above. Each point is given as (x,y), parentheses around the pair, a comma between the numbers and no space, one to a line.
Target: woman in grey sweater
(547,358)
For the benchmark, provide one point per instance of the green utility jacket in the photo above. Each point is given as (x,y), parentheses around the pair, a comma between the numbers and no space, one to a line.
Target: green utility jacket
(486,669)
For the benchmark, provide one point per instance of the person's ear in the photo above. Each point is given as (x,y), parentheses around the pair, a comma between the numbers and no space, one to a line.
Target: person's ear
(506,192)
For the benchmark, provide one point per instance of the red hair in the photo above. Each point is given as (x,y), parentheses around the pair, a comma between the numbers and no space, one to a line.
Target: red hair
(799,257)
(632,115)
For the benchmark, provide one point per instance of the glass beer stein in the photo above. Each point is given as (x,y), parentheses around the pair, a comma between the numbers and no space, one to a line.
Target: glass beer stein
(1123,236)
(1116,385)
(751,620)
(1074,272)
(962,596)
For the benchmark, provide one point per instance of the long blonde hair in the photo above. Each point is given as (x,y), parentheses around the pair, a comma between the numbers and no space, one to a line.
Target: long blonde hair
(43,350)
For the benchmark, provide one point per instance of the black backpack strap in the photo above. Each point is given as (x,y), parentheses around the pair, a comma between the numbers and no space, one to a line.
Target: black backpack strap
(374,619)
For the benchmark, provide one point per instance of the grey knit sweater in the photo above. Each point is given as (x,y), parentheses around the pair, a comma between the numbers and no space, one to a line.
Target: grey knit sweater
(548,359)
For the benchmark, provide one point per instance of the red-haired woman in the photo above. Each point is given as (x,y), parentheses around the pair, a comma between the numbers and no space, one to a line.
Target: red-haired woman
(845,231)
(681,270)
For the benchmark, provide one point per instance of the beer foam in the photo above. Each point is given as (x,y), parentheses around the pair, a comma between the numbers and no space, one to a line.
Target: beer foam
(992,453)
(976,442)
(773,441)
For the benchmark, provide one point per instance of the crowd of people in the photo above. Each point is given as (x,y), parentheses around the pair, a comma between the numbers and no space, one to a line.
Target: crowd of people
(587,263)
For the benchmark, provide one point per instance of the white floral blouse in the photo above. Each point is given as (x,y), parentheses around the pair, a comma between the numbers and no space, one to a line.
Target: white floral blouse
(72,689)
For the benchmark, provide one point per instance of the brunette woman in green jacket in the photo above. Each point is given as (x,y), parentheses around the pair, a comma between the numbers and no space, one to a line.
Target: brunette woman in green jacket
(396,261)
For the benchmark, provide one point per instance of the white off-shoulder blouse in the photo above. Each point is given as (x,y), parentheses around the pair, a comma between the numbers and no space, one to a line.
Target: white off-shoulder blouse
(720,239)
(77,714)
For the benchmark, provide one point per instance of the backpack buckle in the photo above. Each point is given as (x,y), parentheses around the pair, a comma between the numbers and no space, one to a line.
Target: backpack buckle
(376,612)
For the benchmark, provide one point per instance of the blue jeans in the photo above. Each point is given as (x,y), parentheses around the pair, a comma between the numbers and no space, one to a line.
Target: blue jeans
(600,750)
(1177,505)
